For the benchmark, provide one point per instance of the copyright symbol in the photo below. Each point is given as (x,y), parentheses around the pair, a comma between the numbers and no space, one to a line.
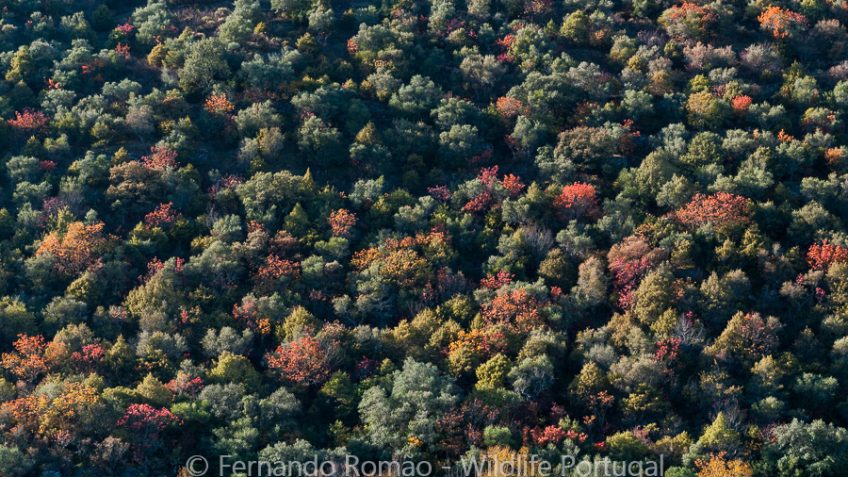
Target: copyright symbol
(196,465)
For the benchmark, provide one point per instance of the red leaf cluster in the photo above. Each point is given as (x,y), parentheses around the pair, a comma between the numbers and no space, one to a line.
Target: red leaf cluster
(146,417)
(303,361)
(160,158)
(721,209)
(741,103)
(497,280)
(517,309)
(821,256)
(28,361)
(163,216)
(29,120)
(629,261)
(342,221)
(549,435)
(578,200)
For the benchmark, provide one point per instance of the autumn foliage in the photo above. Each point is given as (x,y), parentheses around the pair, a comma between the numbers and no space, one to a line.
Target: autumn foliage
(218,104)
(144,417)
(723,210)
(741,103)
(516,309)
(29,120)
(28,360)
(508,107)
(629,261)
(160,158)
(821,256)
(424,229)
(781,22)
(342,221)
(75,248)
(720,466)
(578,200)
(163,216)
(303,361)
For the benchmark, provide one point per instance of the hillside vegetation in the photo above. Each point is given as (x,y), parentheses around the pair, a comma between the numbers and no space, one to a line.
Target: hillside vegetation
(423,228)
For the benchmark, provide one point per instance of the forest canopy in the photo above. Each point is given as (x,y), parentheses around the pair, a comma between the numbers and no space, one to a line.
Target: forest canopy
(423,228)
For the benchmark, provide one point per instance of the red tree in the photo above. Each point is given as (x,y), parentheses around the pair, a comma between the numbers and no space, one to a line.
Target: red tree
(821,256)
(342,221)
(629,261)
(578,200)
(741,103)
(723,210)
(147,423)
(163,216)
(28,361)
(517,309)
(303,361)
(160,158)
(29,120)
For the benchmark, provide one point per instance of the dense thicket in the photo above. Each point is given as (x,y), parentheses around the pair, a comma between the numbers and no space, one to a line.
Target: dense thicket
(423,228)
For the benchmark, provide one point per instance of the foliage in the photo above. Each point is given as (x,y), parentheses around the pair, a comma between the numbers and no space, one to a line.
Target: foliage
(431,229)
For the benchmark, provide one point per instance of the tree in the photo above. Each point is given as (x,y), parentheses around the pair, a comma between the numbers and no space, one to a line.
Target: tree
(28,361)
(747,337)
(304,361)
(405,410)
(782,23)
(418,97)
(705,110)
(722,210)
(815,448)
(688,20)
(204,64)
(718,466)
(74,248)
(719,436)
(577,200)
(821,256)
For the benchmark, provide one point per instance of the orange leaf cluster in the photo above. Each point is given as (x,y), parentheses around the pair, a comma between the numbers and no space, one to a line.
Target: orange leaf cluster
(341,221)
(509,107)
(160,158)
(276,268)
(76,248)
(218,104)
(687,10)
(741,103)
(578,200)
(780,21)
(834,156)
(517,309)
(512,184)
(495,281)
(721,209)
(28,361)
(719,466)
(821,256)
(303,361)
